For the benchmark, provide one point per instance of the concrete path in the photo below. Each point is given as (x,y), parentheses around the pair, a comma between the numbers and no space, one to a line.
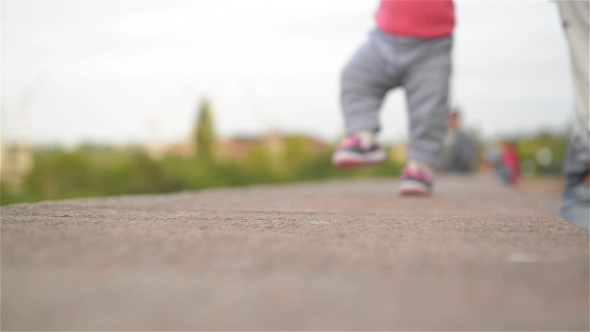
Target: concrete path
(334,255)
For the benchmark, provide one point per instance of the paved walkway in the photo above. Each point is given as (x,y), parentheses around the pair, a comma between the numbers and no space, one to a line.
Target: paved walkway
(334,255)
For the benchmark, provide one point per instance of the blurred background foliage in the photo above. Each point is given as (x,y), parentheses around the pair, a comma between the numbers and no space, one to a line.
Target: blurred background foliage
(93,170)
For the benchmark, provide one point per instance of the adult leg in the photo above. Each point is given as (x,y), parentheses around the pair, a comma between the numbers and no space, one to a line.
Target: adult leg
(576,198)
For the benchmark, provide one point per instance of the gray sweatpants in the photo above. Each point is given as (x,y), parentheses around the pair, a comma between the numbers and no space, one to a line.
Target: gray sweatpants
(422,67)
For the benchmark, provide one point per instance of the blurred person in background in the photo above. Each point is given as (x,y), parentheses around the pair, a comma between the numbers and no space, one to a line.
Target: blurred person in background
(510,163)
(410,48)
(576,198)
(504,161)
(460,149)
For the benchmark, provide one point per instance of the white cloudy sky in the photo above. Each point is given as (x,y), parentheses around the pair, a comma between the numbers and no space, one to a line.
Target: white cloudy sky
(99,71)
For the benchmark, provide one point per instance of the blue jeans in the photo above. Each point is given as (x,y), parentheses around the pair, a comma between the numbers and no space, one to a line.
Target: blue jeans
(575,205)
(576,197)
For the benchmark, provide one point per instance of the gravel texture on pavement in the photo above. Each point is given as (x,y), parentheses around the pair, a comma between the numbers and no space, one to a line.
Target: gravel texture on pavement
(336,255)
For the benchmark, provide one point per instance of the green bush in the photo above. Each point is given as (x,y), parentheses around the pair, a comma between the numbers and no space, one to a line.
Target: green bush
(94,171)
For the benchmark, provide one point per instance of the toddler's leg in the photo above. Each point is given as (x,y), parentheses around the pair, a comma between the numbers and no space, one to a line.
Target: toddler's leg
(364,82)
(427,89)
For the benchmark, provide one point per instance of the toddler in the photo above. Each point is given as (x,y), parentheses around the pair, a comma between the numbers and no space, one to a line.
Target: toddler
(410,48)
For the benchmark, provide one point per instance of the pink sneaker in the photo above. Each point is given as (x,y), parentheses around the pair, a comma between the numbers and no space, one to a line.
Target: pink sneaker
(351,154)
(415,181)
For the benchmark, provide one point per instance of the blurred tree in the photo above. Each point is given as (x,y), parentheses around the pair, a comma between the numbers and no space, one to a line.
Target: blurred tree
(204,134)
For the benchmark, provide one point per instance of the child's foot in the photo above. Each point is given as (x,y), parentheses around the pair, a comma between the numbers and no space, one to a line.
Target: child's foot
(352,153)
(416,180)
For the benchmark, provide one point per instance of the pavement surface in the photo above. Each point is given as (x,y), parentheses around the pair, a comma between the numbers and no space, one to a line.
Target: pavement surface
(547,191)
(344,255)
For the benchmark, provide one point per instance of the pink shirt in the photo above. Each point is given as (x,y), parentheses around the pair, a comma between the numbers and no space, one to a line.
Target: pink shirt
(416,18)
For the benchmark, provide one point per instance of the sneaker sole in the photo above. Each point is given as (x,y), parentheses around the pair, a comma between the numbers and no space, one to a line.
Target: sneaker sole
(413,188)
(349,160)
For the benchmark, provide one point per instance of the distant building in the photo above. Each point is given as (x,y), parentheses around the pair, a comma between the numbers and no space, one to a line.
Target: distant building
(182,149)
(316,146)
(238,147)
